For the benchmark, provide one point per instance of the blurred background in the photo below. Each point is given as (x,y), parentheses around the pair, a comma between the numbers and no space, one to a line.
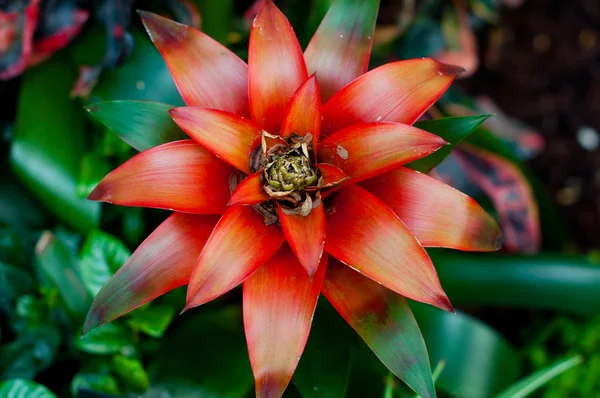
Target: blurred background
(535,165)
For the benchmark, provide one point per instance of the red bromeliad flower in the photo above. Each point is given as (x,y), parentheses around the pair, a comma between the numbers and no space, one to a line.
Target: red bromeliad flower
(325,206)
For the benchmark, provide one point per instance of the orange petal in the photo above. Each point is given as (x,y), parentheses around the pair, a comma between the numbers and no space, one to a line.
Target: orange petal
(368,149)
(396,92)
(332,175)
(279,303)
(230,137)
(384,321)
(206,73)
(437,214)
(238,246)
(179,175)
(340,49)
(303,114)
(305,235)
(365,234)
(250,191)
(275,67)
(161,263)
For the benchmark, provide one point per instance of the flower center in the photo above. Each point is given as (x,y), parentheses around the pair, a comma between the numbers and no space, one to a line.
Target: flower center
(290,172)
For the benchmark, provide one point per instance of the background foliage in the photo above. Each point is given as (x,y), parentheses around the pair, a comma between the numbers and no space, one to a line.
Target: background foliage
(523,318)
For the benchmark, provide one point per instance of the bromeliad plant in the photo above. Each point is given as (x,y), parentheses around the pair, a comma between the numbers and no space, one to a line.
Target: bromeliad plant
(291,198)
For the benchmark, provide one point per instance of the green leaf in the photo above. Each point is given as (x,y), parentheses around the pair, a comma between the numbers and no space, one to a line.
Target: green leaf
(57,265)
(131,372)
(49,141)
(453,130)
(547,280)
(325,364)
(479,362)
(217,18)
(11,247)
(101,381)
(152,321)
(142,124)
(208,367)
(101,256)
(33,351)
(20,388)
(93,169)
(529,384)
(108,339)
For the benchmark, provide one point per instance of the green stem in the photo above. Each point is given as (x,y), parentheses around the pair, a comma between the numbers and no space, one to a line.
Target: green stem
(550,281)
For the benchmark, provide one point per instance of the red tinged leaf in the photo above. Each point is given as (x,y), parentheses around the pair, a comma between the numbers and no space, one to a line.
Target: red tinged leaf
(384,321)
(238,246)
(275,67)
(332,175)
(511,194)
(279,303)
(305,235)
(437,214)
(250,191)
(303,114)
(161,263)
(230,137)
(206,73)
(340,49)
(365,150)
(396,92)
(365,234)
(179,175)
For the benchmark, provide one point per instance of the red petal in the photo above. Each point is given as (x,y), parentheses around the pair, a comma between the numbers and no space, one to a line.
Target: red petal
(437,214)
(275,66)
(206,73)
(365,234)
(368,149)
(230,137)
(397,92)
(340,49)
(179,175)
(332,175)
(161,263)
(303,114)
(384,321)
(250,191)
(305,235)
(238,246)
(279,303)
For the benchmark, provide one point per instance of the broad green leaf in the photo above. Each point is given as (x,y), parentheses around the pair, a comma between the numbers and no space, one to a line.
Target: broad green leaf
(101,256)
(101,381)
(451,129)
(18,207)
(108,339)
(131,372)
(57,265)
(152,320)
(547,280)
(21,388)
(93,169)
(142,124)
(479,362)
(325,364)
(215,365)
(531,383)
(49,141)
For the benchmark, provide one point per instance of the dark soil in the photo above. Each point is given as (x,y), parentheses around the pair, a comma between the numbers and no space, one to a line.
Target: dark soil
(546,72)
